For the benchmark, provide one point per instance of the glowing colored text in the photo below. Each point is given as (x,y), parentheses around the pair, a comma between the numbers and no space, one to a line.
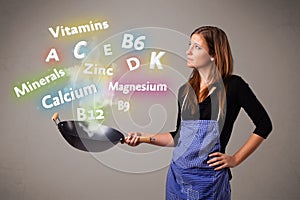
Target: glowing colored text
(48,101)
(28,87)
(74,30)
(144,87)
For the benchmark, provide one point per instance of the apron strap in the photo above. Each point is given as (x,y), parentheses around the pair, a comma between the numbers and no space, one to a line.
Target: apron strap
(183,102)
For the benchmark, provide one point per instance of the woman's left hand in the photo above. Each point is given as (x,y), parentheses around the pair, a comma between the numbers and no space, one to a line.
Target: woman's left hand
(222,161)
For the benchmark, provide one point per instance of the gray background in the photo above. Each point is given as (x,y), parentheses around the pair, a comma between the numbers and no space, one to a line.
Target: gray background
(36,163)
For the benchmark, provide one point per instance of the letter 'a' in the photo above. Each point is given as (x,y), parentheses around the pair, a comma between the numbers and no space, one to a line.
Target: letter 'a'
(52,55)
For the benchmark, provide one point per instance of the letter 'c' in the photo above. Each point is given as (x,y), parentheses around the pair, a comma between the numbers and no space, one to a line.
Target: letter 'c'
(77,49)
(45,98)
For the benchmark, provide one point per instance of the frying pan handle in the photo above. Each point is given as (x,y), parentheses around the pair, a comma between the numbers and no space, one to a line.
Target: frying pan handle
(141,139)
(146,139)
(55,118)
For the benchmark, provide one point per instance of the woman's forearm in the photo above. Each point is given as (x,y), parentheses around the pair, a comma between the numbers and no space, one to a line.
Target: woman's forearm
(248,148)
(221,160)
(161,139)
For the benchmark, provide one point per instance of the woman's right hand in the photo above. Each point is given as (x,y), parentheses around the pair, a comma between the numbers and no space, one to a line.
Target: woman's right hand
(132,139)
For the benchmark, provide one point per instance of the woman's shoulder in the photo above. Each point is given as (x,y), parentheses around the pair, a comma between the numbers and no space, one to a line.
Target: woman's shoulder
(234,78)
(235,81)
(236,86)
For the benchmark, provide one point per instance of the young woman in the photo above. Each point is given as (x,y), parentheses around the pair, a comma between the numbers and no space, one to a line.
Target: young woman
(208,107)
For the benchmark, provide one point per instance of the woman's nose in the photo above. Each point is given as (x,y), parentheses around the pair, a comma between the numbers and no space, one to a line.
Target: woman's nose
(189,50)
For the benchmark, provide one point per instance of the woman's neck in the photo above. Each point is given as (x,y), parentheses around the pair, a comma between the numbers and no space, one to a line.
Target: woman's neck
(204,74)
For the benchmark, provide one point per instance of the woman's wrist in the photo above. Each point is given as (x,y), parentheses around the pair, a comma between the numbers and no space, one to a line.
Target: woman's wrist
(146,137)
(236,160)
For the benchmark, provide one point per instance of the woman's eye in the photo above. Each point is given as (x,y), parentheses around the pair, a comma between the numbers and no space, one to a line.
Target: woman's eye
(194,45)
(197,47)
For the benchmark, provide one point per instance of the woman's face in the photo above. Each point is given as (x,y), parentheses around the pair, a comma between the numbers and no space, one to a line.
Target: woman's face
(197,53)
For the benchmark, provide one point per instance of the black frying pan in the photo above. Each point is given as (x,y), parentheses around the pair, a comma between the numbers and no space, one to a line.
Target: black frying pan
(78,135)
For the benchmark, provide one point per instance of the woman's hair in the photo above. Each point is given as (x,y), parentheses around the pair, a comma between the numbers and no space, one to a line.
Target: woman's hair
(219,49)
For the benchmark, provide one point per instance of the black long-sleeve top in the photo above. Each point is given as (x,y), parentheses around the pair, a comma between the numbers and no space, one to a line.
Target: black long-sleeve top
(238,95)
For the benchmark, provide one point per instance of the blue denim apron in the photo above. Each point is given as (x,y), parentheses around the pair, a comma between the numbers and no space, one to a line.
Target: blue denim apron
(189,176)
